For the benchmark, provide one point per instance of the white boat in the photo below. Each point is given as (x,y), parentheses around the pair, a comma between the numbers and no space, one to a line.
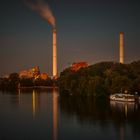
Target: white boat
(123,97)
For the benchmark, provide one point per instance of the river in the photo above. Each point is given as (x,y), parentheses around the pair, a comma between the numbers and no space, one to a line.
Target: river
(45,115)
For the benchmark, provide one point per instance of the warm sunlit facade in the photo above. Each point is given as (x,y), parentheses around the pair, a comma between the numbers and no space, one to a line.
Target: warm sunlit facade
(31,73)
(79,65)
(44,76)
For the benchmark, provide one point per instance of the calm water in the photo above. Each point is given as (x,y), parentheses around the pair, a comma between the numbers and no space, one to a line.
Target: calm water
(44,115)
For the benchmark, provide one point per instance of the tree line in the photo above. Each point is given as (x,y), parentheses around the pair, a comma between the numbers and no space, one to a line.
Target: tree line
(101,79)
(13,82)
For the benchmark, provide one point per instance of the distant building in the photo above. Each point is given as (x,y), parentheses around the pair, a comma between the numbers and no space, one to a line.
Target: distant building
(44,76)
(31,73)
(79,65)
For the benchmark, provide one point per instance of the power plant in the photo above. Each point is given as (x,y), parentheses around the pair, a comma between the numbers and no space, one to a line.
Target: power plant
(54,53)
(43,9)
(122,47)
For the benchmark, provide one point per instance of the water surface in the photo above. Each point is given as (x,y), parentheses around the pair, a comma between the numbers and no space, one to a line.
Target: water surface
(45,115)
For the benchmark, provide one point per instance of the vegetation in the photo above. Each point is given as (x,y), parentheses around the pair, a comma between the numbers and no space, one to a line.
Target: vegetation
(14,81)
(97,80)
(101,79)
(9,83)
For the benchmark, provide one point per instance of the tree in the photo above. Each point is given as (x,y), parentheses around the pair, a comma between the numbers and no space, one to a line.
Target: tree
(102,79)
(136,85)
(121,84)
(13,81)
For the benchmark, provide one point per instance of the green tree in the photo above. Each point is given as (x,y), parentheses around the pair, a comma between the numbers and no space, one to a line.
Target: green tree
(26,82)
(121,84)
(13,81)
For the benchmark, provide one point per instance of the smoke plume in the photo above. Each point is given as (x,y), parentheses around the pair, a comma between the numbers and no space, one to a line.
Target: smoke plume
(41,7)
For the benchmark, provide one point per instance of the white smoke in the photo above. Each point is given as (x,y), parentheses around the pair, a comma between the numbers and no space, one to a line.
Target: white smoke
(43,9)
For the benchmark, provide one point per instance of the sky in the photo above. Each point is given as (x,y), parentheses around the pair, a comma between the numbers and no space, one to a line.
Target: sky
(87,30)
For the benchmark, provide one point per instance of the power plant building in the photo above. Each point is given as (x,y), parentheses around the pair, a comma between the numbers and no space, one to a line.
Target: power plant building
(31,73)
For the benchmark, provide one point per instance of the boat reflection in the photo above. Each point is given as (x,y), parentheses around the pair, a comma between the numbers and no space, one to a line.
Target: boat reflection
(89,110)
(126,111)
(124,107)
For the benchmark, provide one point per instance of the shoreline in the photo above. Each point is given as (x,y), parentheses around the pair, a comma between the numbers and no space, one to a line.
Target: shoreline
(39,87)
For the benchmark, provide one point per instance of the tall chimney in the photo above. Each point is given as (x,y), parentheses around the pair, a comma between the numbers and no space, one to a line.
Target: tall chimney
(121,47)
(54,54)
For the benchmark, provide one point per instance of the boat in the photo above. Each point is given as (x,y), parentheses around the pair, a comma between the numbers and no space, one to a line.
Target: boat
(123,97)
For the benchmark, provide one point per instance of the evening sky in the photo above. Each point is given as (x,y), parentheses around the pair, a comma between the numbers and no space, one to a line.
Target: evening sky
(87,30)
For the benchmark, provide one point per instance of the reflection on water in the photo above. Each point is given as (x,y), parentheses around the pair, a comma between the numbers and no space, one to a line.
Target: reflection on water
(122,132)
(32,113)
(34,103)
(124,117)
(43,114)
(54,110)
(123,107)
(86,109)
(55,113)
(19,93)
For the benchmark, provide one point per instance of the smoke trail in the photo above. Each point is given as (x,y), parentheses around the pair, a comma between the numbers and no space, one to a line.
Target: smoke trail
(43,9)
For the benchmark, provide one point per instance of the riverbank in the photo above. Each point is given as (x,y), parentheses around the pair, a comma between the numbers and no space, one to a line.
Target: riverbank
(39,87)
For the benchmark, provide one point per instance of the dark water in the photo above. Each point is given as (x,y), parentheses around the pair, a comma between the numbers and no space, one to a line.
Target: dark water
(44,115)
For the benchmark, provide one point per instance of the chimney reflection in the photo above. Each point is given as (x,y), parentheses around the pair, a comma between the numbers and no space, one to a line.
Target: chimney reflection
(19,94)
(55,113)
(34,103)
